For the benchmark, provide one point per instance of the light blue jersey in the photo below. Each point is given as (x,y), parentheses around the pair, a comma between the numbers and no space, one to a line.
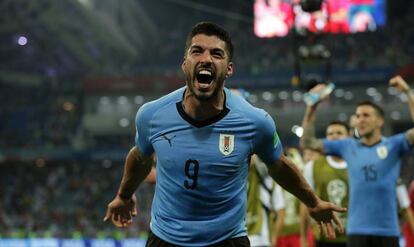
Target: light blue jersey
(202,166)
(373,172)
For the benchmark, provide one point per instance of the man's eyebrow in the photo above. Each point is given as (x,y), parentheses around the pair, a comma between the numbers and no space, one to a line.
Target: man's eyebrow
(200,47)
(218,50)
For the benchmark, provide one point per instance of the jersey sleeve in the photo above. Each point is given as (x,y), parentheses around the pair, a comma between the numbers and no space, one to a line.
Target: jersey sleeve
(335,147)
(143,130)
(267,144)
(401,141)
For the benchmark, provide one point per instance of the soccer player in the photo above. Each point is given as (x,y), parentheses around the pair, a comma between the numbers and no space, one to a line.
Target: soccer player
(265,203)
(373,166)
(203,136)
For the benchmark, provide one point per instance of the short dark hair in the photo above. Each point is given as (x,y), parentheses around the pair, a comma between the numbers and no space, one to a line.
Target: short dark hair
(377,108)
(342,123)
(211,29)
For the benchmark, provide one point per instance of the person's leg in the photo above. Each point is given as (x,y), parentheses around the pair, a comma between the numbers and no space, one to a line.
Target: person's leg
(154,241)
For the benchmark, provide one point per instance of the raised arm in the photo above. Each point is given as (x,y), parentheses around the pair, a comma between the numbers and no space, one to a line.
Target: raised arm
(308,139)
(401,85)
(122,208)
(285,173)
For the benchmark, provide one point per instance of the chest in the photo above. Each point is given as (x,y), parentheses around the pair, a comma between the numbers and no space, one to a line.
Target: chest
(373,164)
(216,149)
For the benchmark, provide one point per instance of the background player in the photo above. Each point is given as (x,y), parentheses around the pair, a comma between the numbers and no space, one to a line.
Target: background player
(373,164)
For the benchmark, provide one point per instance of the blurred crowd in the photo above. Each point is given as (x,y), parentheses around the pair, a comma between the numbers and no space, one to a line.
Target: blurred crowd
(64,199)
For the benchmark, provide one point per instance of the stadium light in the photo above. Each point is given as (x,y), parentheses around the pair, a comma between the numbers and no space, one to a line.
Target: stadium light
(22,40)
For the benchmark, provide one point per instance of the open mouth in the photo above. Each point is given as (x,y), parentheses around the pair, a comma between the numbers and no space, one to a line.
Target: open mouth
(204,77)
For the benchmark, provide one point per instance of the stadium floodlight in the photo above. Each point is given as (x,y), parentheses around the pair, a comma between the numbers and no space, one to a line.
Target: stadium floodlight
(311,5)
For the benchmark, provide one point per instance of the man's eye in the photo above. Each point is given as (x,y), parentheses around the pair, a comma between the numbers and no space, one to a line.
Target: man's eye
(218,55)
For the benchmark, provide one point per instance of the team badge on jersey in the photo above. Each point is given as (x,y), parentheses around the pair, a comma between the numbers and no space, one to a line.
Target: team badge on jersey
(226,144)
(382,152)
(337,191)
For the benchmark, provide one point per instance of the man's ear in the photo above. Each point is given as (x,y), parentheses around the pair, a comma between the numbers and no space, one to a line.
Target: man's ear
(183,64)
(229,70)
(381,122)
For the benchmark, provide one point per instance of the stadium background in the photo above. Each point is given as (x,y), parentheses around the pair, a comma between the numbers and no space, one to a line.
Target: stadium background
(73,73)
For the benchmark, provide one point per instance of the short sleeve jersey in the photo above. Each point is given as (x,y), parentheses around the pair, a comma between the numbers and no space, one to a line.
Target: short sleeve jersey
(202,166)
(373,173)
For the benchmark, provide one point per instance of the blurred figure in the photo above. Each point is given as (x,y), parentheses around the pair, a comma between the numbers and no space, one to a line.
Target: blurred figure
(290,232)
(373,164)
(265,205)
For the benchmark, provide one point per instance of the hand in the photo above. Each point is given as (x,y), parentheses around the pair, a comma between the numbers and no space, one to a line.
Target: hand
(399,83)
(323,213)
(317,94)
(121,211)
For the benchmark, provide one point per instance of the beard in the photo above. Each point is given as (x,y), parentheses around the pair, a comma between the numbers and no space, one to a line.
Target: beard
(201,95)
(366,134)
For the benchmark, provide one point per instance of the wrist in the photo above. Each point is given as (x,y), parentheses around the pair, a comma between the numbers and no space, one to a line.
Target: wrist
(124,196)
(313,202)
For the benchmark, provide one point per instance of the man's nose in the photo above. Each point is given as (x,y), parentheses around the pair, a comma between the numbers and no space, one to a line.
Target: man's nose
(206,57)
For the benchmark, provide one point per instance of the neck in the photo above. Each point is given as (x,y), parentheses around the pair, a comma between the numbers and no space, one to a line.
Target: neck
(371,138)
(203,109)
(336,159)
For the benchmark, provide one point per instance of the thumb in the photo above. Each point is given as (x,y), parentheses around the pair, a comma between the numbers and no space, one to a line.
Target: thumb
(134,211)
(108,215)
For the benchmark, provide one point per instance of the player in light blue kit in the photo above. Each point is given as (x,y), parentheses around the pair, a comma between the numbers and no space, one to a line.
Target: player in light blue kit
(203,136)
(373,168)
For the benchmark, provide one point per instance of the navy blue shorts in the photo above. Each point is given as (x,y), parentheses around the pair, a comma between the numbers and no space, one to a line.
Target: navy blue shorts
(154,241)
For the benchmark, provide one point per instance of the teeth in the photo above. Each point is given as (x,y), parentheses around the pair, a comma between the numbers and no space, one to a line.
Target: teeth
(204,72)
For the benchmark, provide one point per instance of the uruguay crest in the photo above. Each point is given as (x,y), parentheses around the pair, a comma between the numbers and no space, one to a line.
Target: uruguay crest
(226,144)
(382,152)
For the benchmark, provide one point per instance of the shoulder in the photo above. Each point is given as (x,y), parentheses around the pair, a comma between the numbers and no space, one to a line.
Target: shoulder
(346,141)
(238,105)
(147,110)
(396,138)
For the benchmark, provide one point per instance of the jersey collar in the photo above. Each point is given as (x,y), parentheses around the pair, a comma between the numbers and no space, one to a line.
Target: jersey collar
(206,122)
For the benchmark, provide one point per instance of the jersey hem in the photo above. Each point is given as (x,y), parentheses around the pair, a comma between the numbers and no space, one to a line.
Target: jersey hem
(373,232)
